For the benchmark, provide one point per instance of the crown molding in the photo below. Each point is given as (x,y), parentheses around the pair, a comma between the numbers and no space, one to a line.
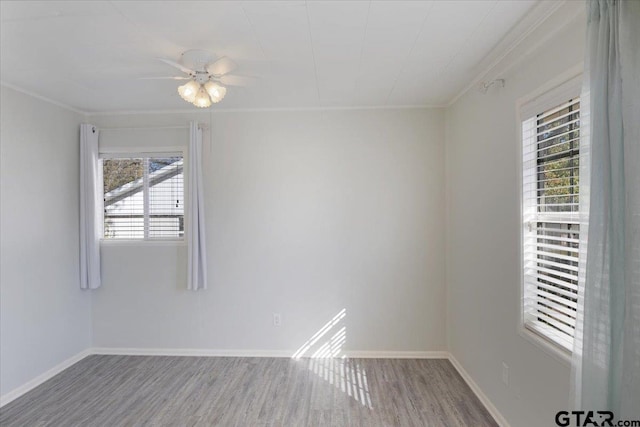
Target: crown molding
(266,110)
(148,112)
(42,98)
(219,110)
(520,37)
(335,108)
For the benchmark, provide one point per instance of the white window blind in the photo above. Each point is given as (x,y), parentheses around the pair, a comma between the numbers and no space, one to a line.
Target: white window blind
(143,196)
(551,220)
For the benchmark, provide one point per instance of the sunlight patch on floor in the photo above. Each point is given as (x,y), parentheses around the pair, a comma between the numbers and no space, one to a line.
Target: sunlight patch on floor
(326,359)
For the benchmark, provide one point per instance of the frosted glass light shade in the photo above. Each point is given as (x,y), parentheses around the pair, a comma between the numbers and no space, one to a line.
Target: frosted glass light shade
(215,91)
(202,99)
(189,91)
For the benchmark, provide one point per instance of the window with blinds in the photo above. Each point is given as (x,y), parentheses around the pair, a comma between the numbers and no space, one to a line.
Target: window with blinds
(143,196)
(550,194)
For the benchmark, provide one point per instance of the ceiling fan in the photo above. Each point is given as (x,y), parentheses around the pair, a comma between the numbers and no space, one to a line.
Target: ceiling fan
(208,77)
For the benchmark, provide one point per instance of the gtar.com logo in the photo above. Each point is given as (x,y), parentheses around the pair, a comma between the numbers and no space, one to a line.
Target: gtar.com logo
(591,419)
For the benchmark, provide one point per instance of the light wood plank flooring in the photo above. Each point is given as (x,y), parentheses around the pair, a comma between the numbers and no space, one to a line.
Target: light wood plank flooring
(228,391)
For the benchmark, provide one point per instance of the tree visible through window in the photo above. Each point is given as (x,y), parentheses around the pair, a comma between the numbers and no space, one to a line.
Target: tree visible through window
(143,197)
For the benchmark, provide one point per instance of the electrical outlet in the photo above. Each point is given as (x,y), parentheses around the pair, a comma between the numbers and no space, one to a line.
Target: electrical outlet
(277,319)
(505,373)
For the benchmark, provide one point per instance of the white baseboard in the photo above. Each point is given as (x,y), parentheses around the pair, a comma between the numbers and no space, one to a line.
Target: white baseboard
(502,422)
(189,352)
(30,385)
(262,353)
(397,354)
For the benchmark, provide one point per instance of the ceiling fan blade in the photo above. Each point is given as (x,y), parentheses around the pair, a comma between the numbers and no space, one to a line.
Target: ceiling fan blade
(233,80)
(165,78)
(221,67)
(177,65)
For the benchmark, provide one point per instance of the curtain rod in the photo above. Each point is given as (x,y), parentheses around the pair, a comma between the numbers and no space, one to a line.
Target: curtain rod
(200,125)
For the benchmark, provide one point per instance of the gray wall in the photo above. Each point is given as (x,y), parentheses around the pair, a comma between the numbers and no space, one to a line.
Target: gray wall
(308,213)
(483,233)
(44,316)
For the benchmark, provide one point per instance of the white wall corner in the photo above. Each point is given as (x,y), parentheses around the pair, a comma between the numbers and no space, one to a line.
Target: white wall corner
(544,20)
(497,416)
(35,382)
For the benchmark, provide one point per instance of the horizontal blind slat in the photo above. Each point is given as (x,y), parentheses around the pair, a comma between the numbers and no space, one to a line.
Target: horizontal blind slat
(554,255)
(556,283)
(567,276)
(556,248)
(553,288)
(559,126)
(555,323)
(560,117)
(556,298)
(560,107)
(545,307)
(560,307)
(547,236)
(536,261)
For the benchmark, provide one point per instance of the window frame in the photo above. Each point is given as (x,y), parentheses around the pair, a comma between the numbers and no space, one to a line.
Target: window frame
(554,93)
(146,152)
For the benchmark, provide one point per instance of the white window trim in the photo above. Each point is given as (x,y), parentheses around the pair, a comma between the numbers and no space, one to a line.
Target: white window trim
(124,152)
(142,242)
(127,151)
(554,93)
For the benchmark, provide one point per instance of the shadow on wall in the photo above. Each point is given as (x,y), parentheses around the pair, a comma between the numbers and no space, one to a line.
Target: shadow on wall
(327,359)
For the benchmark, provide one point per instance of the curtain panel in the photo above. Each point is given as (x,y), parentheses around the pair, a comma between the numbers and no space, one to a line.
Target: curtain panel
(606,356)
(90,208)
(196,236)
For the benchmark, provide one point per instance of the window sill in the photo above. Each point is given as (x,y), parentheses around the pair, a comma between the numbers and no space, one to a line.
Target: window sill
(140,242)
(551,348)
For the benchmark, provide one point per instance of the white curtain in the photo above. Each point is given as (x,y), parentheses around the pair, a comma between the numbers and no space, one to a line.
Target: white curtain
(606,357)
(91,201)
(196,245)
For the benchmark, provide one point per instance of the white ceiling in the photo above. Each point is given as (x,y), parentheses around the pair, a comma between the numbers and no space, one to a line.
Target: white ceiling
(91,55)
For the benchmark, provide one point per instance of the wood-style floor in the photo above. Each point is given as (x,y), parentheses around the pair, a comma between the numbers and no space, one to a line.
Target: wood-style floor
(228,391)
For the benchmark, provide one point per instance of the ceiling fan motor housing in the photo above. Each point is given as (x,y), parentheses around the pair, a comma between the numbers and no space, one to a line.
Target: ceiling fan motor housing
(201,77)
(197,59)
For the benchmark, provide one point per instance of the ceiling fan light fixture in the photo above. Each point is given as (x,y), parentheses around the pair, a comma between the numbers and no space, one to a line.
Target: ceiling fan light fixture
(215,91)
(205,76)
(202,99)
(189,91)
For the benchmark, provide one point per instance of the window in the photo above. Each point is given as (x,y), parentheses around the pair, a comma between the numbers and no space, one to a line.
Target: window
(143,196)
(551,217)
